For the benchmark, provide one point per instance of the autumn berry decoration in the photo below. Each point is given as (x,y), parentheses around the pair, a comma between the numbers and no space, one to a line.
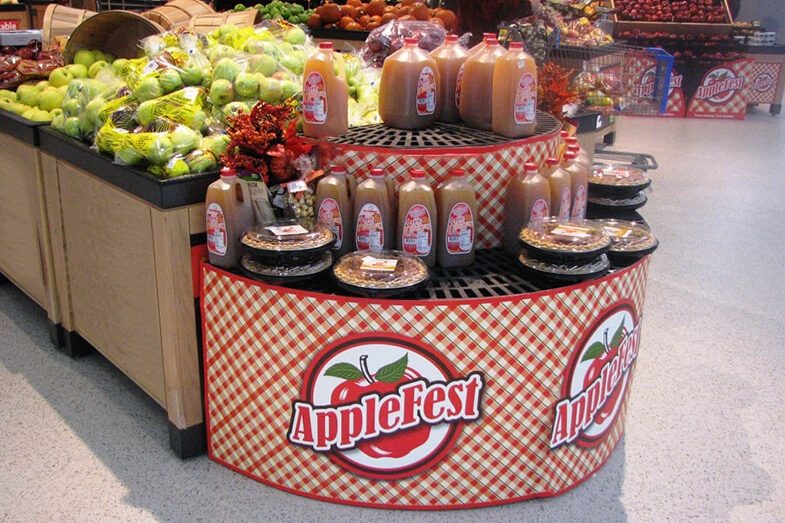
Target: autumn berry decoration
(264,142)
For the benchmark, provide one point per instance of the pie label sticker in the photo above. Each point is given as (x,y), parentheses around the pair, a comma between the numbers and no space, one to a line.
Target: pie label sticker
(572,231)
(378,264)
(287,230)
(617,232)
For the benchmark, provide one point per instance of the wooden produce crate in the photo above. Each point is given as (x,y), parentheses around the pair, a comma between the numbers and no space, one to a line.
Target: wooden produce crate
(124,250)
(675,27)
(25,248)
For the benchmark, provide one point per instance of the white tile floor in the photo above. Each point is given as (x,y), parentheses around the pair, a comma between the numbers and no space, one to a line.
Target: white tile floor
(79,442)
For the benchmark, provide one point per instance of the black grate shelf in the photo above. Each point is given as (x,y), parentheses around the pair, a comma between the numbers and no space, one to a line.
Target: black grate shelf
(435,136)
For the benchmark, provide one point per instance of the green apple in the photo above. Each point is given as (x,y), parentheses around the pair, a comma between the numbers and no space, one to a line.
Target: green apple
(93,110)
(170,80)
(262,63)
(226,69)
(128,155)
(98,56)
(148,89)
(215,143)
(93,88)
(176,168)
(221,92)
(199,119)
(233,109)
(289,89)
(109,57)
(77,70)
(84,57)
(270,90)
(28,114)
(295,36)
(50,98)
(41,116)
(226,29)
(246,85)
(71,127)
(71,107)
(118,65)
(58,120)
(94,69)
(27,94)
(191,75)
(5,94)
(145,113)
(40,86)
(159,150)
(184,139)
(60,77)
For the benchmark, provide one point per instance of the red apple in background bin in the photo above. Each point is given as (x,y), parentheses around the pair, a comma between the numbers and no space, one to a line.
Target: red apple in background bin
(359,382)
(601,354)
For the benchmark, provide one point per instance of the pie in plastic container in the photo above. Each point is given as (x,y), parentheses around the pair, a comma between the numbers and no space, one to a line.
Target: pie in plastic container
(285,274)
(566,272)
(288,242)
(630,241)
(617,181)
(380,274)
(557,241)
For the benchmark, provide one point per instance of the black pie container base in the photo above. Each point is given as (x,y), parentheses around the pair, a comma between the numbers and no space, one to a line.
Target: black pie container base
(554,279)
(285,281)
(563,257)
(597,213)
(617,192)
(625,258)
(617,207)
(365,292)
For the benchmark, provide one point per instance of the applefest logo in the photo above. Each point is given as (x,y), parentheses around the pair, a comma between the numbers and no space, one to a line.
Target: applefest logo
(647,83)
(596,379)
(763,82)
(719,86)
(383,406)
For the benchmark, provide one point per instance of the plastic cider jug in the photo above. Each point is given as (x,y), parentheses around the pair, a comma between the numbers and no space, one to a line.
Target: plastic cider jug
(480,46)
(409,88)
(456,204)
(579,180)
(561,188)
(528,199)
(450,57)
(474,50)
(581,156)
(325,94)
(334,208)
(515,93)
(417,218)
(228,213)
(476,95)
(373,216)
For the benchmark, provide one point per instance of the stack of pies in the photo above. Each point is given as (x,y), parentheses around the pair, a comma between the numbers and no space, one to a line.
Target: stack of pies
(616,189)
(380,274)
(564,251)
(630,241)
(287,251)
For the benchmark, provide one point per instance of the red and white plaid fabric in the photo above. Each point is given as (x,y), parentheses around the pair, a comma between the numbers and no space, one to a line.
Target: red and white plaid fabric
(258,341)
(489,171)
(763,92)
(735,108)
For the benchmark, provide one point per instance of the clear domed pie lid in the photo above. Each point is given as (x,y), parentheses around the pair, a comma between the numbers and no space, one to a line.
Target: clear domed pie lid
(636,201)
(286,272)
(619,175)
(565,271)
(628,236)
(554,240)
(288,235)
(385,270)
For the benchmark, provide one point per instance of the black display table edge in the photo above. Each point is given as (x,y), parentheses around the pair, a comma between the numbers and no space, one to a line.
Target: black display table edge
(20,128)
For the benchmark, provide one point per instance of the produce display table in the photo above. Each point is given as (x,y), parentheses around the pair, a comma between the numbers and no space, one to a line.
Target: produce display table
(124,244)
(25,251)
(494,402)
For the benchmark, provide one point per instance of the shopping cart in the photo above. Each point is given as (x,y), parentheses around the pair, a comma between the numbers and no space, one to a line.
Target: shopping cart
(617,78)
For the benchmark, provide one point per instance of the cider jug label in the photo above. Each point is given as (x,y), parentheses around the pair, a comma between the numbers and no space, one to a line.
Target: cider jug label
(540,210)
(526,99)
(314,99)
(417,231)
(564,208)
(329,215)
(216,230)
(458,80)
(426,92)
(460,229)
(579,203)
(370,228)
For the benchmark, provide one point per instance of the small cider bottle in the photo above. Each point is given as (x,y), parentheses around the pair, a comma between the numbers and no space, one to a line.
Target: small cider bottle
(581,155)
(515,93)
(450,57)
(373,216)
(456,204)
(409,88)
(325,95)
(334,208)
(228,213)
(417,218)
(561,188)
(477,85)
(528,199)
(579,180)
